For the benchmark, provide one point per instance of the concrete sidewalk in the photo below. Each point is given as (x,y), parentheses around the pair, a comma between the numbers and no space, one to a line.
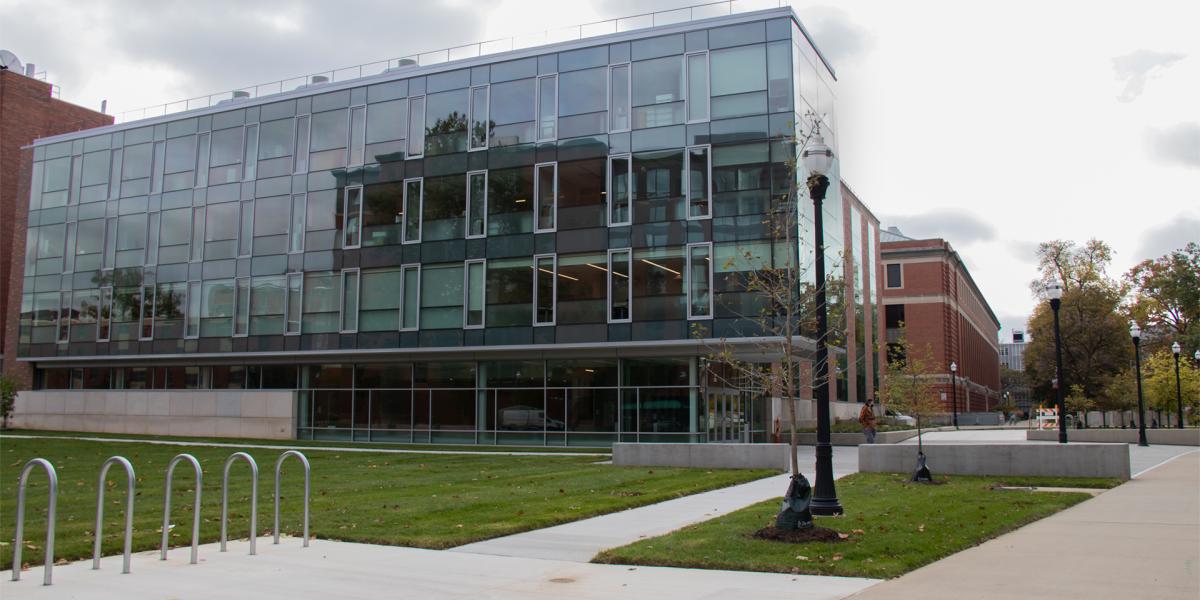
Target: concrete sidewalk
(1139,540)
(581,540)
(344,570)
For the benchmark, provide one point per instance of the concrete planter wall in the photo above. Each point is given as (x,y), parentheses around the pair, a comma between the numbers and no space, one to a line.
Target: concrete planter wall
(708,456)
(855,439)
(1048,460)
(1165,437)
(199,413)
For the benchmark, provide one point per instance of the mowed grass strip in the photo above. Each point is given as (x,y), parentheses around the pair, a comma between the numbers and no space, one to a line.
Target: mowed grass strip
(893,527)
(427,501)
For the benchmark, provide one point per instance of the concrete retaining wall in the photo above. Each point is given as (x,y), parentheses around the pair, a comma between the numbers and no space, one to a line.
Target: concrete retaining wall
(198,413)
(1165,437)
(709,456)
(1050,460)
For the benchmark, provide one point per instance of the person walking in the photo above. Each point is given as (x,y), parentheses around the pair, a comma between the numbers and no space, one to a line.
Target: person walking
(866,418)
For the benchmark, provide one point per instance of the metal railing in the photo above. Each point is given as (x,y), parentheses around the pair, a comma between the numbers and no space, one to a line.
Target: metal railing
(129,495)
(473,50)
(307,473)
(253,498)
(166,524)
(19,538)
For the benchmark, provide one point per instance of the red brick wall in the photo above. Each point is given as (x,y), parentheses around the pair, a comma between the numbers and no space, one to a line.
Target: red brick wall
(931,274)
(27,112)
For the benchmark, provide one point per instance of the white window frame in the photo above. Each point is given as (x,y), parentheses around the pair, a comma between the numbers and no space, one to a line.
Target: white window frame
(471,202)
(362,148)
(628,96)
(287,299)
(203,149)
(342,299)
(303,124)
(687,181)
(629,294)
(246,212)
(608,191)
(187,308)
(421,122)
(420,210)
(887,284)
(237,284)
(537,197)
(467,293)
(104,323)
(537,107)
(404,294)
(247,156)
(346,216)
(554,289)
(303,198)
(687,98)
(487,113)
(688,280)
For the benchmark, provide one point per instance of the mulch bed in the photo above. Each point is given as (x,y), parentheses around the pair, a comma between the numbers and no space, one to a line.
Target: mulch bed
(798,536)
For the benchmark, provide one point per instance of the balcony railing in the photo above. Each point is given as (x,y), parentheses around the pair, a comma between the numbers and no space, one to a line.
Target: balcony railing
(473,50)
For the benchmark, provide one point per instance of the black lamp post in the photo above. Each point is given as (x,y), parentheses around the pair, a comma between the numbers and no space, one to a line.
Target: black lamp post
(818,159)
(954,391)
(1054,292)
(1175,349)
(1136,333)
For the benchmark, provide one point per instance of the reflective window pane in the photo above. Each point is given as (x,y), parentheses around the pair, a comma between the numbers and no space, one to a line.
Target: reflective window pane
(475,294)
(697,99)
(446,122)
(546,180)
(619,99)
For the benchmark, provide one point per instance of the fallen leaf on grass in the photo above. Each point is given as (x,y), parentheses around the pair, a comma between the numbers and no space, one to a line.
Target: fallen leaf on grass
(837,557)
(921,528)
(857,532)
(801,557)
(843,536)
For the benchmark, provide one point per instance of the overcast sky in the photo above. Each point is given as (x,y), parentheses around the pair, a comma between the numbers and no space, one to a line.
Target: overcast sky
(994,125)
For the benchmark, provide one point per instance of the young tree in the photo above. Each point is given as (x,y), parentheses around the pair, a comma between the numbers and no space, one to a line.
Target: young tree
(8,398)
(1077,403)
(909,386)
(771,275)
(1158,382)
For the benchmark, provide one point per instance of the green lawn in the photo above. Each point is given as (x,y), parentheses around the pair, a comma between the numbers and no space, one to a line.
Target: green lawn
(314,443)
(423,500)
(893,527)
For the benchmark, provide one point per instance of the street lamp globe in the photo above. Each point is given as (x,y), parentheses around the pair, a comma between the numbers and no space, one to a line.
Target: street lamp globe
(1054,290)
(953,367)
(817,156)
(1196,356)
(1176,349)
(1134,331)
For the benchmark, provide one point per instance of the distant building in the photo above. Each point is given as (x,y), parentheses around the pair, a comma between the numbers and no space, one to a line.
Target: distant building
(28,111)
(929,290)
(1012,355)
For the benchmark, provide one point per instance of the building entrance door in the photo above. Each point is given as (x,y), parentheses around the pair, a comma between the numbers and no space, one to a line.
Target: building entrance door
(728,415)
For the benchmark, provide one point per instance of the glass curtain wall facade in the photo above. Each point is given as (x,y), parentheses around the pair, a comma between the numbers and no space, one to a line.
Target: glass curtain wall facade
(597,194)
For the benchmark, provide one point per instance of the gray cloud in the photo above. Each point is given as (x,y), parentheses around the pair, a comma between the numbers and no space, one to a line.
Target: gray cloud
(1176,144)
(840,39)
(1136,67)
(219,45)
(1023,251)
(1167,237)
(958,227)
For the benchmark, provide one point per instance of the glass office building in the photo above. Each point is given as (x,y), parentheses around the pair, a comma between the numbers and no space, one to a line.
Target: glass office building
(538,246)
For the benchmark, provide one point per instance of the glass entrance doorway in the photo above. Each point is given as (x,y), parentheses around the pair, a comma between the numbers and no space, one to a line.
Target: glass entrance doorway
(728,415)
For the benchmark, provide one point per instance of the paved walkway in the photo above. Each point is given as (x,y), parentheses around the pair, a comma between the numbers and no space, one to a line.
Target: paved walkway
(344,570)
(581,540)
(1139,540)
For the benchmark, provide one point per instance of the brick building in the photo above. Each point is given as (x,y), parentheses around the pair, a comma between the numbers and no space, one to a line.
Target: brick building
(28,111)
(929,290)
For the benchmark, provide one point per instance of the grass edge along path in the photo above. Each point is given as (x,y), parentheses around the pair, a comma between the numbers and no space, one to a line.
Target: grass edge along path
(421,500)
(891,527)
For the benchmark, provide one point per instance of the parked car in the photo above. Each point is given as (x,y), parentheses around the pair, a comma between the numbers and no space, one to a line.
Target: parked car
(901,418)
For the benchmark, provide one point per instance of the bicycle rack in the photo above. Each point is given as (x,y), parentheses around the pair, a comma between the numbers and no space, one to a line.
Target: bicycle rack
(115,460)
(19,539)
(196,508)
(253,497)
(307,473)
